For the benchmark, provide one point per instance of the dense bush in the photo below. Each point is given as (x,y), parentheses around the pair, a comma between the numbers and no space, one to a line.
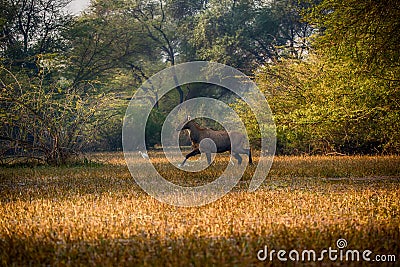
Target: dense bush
(322,106)
(47,120)
(344,96)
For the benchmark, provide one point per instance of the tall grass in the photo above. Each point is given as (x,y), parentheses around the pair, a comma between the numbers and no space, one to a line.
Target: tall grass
(97,215)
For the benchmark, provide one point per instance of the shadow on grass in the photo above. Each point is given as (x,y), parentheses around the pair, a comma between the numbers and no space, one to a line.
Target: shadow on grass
(28,184)
(83,162)
(235,250)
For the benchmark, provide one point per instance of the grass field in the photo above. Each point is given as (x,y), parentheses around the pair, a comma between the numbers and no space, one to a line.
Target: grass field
(95,214)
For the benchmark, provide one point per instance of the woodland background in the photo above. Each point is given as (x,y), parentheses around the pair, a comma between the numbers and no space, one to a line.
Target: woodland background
(329,69)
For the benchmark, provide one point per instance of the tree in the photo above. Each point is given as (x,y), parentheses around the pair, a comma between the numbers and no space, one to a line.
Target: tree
(50,122)
(160,28)
(30,28)
(247,34)
(364,36)
(43,113)
(365,32)
(116,36)
(344,96)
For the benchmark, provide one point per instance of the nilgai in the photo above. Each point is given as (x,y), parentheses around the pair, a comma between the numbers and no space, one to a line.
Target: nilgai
(220,138)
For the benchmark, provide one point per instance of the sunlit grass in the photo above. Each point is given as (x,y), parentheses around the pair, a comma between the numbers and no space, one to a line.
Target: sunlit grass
(97,215)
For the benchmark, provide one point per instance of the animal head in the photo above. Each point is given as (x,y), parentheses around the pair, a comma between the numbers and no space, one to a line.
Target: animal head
(184,125)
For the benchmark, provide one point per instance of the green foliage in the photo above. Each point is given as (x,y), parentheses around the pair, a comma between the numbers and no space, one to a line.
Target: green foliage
(336,91)
(344,96)
(47,119)
(249,120)
(110,38)
(322,106)
(31,28)
(365,32)
(247,34)
(153,127)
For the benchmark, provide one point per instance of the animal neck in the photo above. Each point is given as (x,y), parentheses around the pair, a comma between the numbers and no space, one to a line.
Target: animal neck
(194,131)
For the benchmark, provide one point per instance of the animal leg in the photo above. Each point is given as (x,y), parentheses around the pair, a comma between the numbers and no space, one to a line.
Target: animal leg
(238,157)
(249,154)
(208,155)
(191,154)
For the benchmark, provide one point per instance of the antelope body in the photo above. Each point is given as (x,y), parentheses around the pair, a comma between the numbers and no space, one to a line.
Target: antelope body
(221,139)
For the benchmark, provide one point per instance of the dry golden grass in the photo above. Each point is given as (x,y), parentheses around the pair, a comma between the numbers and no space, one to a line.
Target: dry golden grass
(97,215)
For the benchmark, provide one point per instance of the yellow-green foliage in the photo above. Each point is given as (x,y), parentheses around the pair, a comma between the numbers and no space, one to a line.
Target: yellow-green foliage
(322,105)
(99,216)
(344,95)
